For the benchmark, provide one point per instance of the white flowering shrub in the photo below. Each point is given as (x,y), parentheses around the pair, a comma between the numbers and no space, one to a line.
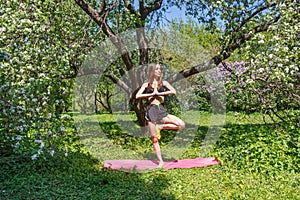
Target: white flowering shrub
(272,80)
(40,41)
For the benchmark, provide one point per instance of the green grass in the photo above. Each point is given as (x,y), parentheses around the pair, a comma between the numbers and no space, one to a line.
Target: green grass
(259,161)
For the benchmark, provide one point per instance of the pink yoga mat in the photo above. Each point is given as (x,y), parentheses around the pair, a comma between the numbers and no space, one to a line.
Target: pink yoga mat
(152,164)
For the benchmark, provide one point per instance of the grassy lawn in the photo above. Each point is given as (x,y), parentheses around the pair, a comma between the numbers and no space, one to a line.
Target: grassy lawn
(259,161)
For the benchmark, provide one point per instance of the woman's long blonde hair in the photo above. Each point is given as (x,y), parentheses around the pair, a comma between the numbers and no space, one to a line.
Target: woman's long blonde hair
(152,67)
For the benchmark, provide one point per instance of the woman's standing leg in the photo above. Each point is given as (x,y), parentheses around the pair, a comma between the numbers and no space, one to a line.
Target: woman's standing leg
(152,130)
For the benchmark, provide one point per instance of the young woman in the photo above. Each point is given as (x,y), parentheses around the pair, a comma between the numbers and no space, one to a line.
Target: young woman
(155,90)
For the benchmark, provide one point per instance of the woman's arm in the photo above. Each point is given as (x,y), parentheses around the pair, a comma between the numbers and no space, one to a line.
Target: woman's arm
(170,90)
(140,95)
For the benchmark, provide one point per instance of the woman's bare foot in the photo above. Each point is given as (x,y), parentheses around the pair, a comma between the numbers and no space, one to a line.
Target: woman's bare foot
(161,164)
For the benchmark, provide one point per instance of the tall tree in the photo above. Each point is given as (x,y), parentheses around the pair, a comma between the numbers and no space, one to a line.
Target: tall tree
(237,23)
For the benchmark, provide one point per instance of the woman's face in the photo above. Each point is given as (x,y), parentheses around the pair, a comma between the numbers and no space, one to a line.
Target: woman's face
(157,71)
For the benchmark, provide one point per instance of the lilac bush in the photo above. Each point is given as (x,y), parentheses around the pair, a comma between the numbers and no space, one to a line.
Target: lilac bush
(210,83)
(252,88)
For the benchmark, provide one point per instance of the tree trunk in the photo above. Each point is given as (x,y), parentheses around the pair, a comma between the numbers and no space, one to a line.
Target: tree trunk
(139,107)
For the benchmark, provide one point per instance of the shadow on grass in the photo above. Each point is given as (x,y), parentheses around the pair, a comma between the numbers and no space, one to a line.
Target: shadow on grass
(241,143)
(78,176)
(124,137)
(173,143)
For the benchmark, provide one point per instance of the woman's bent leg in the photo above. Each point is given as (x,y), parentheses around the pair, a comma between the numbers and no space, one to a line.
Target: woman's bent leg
(172,122)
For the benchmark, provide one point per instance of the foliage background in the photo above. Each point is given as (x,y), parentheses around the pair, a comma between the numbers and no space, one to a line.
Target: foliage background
(42,45)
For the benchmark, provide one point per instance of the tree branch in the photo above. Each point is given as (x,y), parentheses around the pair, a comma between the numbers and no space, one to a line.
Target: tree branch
(226,52)
(129,6)
(102,7)
(147,10)
(95,15)
(116,40)
(120,83)
(251,16)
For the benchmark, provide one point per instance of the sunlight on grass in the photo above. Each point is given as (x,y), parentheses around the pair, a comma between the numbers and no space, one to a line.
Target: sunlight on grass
(118,136)
(258,161)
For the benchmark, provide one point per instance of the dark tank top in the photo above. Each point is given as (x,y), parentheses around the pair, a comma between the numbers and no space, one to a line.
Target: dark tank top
(161,89)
